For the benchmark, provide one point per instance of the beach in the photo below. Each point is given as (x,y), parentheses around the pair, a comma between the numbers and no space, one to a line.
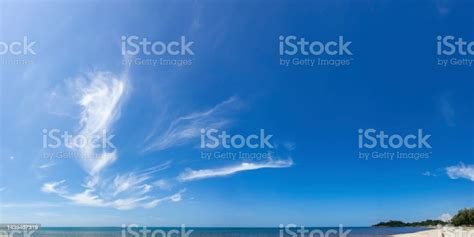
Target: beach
(441,232)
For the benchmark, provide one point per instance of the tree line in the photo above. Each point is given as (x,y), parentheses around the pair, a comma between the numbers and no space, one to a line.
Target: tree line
(464,217)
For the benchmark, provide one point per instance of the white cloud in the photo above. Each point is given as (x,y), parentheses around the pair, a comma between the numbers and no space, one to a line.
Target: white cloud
(162,184)
(123,192)
(186,128)
(177,197)
(102,161)
(461,171)
(92,182)
(45,166)
(428,173)
(134,181)
(124,183)
(446,217)
(127,203)
(447,110)
(190,175)
(290,146)
(53,187)
(99,97)
(86,198)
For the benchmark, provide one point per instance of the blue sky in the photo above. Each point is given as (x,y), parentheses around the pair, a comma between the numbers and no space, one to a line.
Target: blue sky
(76,81)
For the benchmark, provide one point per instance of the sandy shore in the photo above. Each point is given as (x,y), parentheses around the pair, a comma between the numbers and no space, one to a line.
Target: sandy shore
(442,232)
(425,233)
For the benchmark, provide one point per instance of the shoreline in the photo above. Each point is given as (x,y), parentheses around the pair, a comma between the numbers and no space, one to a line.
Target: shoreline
(441,232)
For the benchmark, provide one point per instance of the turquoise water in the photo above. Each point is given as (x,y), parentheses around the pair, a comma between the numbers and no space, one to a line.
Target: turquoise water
(212,232)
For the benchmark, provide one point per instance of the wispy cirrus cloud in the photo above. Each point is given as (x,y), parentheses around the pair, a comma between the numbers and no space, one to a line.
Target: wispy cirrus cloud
(126,192)
(185,128)
(86,198)
(54,187)
(447,110)
(135,182)
(190,175)
(429,174)
(461,171)
(173,198)
(162,184)
(100,97)
(46,166)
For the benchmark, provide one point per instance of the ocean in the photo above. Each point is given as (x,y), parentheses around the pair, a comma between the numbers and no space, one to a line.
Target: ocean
(217,232)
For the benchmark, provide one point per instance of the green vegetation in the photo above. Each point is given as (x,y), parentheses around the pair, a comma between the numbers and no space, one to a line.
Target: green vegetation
(413,224)
(465,217)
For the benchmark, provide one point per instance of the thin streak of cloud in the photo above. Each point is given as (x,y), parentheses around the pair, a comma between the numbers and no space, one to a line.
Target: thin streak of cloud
(185,128)
(177,197)
(447,111)
(429,174)
(46,166)
(190,175)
